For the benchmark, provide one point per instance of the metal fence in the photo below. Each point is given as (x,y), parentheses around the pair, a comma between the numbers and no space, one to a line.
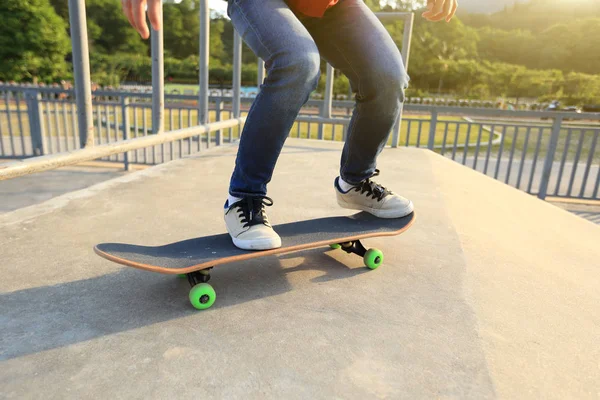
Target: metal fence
(542,153)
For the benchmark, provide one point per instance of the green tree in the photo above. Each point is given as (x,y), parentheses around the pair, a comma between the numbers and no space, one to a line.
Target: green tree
(33,41)
(109,30)
(182,28)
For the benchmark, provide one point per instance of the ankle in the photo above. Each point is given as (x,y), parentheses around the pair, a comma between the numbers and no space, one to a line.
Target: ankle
(343,185)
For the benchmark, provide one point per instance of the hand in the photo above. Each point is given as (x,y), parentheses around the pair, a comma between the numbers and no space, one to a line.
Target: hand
(440,9)
(136,14)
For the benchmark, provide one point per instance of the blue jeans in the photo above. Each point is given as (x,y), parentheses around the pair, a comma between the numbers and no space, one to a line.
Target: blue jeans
(351,39)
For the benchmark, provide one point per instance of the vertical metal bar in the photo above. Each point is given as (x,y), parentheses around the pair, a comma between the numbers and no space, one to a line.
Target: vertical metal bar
(170,118)
(477,147)
(597,185)
(445,136)
(74,124)
(576,162)
(562,161)
(107,126)
(512,153)
(589,164)
(408,122)
(500,150)
(523,154)
(18,102)
(189,119)
(36,125)
(237,73)
(432,129)
(180,118)
(535,157)
(145,133)
(125,118)
(10,127)
(308,130)
(81,69)
(405,52)
(419,132)
(136,127)
(117,127)
(203,60)
(219,109)
(455,141)
(50,130)
(550,157)
(327,100)
(2,153)
(57,124)
(397,127)
(464,160)
(66,127)
(489,149)
(407,38)
(158,80)
(98,124)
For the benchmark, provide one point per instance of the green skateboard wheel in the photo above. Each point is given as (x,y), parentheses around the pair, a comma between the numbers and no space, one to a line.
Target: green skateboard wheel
(335,246)
(202,296)
(373,258)
(182,276)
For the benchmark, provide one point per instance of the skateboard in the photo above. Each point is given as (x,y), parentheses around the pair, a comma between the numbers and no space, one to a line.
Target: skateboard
(194,258)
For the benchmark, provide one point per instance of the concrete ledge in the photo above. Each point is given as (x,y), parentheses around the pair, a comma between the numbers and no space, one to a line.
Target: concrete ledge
(491,294)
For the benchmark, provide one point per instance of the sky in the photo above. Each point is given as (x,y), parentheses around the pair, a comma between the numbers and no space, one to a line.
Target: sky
(218,5)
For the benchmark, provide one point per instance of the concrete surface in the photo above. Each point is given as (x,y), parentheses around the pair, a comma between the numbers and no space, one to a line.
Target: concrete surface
(492,294)
(37,188)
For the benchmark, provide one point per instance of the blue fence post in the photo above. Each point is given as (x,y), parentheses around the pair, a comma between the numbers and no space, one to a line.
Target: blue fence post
(550,157)
(432,128)
(126,127)
(36,122)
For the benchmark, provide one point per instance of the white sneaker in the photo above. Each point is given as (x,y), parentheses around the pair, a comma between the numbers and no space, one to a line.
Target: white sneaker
(248,225)
(373,198)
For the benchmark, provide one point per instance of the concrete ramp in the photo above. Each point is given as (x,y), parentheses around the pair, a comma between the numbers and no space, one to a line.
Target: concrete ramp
(491,294)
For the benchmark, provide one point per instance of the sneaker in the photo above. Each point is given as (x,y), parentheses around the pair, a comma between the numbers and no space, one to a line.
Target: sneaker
(248,225)
(373,198)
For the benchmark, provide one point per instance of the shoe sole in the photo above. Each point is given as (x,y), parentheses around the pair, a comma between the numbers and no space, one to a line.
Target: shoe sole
(257,244)
(387,214)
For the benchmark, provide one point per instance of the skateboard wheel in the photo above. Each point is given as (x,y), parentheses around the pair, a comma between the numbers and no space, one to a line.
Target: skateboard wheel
(335,246)
(182,276)
(202,296)
(373,258)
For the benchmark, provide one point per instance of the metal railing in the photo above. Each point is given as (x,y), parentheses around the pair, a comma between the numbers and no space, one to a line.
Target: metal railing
(559,158)
(60,127)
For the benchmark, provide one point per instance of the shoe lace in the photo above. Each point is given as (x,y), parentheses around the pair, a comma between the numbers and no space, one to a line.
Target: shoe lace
(251,210)
(372,189)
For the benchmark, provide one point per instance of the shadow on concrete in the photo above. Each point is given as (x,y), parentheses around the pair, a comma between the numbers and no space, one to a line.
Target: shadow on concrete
(45,318)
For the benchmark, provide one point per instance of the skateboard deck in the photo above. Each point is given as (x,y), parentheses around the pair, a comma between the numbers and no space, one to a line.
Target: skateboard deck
(195,257)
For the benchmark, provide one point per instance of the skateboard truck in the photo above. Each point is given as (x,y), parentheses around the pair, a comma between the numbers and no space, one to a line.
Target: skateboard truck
(372,257)
(202,295)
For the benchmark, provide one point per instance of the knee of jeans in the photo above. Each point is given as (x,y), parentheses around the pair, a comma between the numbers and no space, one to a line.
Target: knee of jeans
(387,85)
(302,68)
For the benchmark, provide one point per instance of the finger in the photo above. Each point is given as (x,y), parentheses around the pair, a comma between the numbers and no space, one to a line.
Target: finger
(139,16)
(435,10)
(126,4)
(155,13)
(441,13)
(447,7)
(453,11)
